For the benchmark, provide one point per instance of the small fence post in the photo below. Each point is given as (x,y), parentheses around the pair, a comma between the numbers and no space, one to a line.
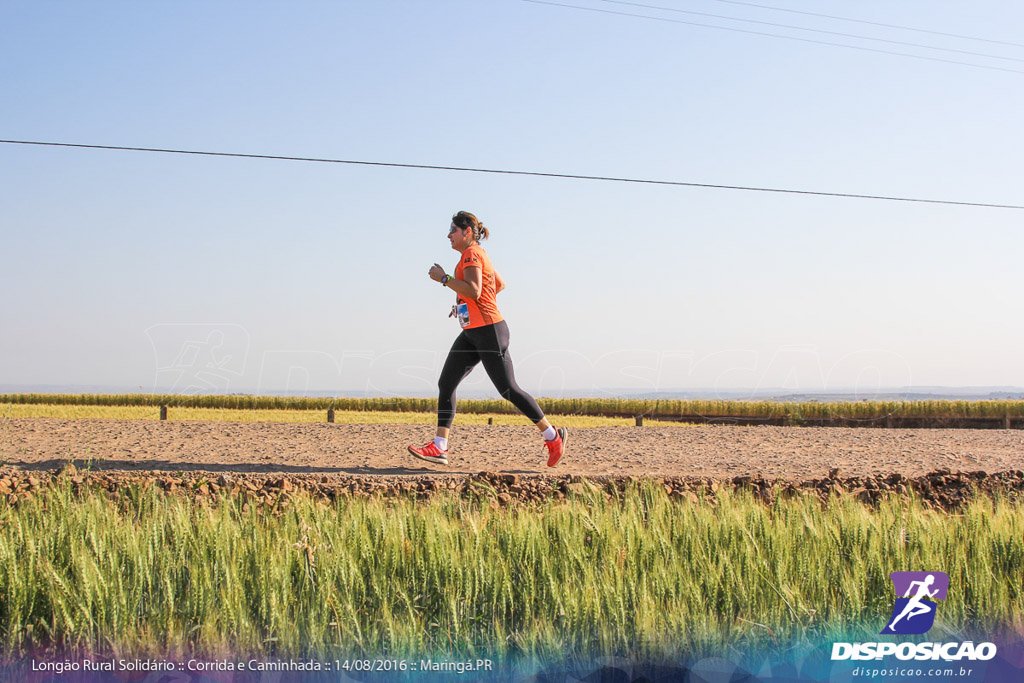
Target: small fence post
(330,414)
(490,420)
(639,420)
(163,412)
(1006,421)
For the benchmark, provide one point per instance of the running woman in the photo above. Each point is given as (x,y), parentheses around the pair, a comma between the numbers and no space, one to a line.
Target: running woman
(915,606)
(484,339)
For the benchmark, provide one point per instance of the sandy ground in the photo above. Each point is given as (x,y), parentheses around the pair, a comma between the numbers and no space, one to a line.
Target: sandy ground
(379,450)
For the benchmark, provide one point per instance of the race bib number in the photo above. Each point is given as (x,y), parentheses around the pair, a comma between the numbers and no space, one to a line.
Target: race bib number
(462,313)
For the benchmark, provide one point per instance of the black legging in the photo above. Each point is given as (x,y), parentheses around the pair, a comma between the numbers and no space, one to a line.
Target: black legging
(490,345)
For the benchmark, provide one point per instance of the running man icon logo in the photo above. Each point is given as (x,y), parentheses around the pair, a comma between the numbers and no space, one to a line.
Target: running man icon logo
(916,592)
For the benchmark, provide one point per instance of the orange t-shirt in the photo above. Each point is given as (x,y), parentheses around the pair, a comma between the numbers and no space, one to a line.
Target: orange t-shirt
(483,311)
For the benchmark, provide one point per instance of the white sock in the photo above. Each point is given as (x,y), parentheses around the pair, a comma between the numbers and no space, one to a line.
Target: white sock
(441,442)
(550,434)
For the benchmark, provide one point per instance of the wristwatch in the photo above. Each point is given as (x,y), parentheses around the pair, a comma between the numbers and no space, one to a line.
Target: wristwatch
(444,279)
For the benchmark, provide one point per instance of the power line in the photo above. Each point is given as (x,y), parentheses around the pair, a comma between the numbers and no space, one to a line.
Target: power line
(775,35)
(871,23)
(814,30)
(673,183)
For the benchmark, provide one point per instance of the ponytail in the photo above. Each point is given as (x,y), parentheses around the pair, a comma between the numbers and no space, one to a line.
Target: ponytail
(464,219)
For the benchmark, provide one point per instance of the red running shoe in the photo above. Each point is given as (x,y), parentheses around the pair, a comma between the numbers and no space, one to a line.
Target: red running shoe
(430,453)
(556,447)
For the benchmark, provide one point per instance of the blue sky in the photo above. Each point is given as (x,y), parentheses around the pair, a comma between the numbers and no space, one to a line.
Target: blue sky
(192,273)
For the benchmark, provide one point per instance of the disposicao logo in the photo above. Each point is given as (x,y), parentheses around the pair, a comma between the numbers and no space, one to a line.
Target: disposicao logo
(916,592)
(914,614)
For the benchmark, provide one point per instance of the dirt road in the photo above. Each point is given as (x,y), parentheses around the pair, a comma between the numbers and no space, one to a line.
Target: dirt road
(379,450)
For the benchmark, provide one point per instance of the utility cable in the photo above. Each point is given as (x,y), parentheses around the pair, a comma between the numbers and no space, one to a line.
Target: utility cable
(673,183)
(814,30)
(774,35)
(871,23)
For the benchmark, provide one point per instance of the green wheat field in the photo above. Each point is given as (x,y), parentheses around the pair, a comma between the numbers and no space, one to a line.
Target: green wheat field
(150,574)
(668,409)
